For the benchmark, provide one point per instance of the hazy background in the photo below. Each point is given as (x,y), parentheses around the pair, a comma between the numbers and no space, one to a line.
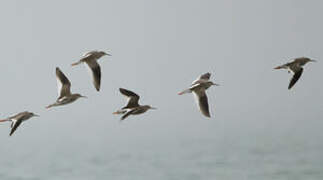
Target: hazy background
(258,129)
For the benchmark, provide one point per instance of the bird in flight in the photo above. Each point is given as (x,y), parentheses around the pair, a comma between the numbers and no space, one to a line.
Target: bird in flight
(64,90)
(296,68)
(17,119)
(132,107)
(91,58)
(198,88)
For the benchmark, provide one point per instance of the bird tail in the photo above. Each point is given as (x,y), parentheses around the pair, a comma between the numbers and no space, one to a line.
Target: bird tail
(184,92)
(77,63)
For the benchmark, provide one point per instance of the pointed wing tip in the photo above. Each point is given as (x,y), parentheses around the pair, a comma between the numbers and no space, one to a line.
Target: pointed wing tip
(97,86)
(128,93)
(58,71)
(11,133)
(207,115)
(295,78)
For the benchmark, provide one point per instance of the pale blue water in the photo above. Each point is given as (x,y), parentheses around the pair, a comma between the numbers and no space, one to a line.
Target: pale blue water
(224,158)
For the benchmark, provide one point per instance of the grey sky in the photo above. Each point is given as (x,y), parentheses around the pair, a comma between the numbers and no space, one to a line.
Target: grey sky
(158,48)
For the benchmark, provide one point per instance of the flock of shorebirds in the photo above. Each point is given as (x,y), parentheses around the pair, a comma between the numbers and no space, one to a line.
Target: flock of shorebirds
(198,88)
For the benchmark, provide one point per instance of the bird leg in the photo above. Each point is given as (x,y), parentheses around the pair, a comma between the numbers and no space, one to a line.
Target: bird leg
(184,92)
(77,63)
(4,120)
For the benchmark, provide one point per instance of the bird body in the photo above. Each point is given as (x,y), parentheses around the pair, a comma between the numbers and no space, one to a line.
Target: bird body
(296,68)
(64,90)
(17,119)
(90,58)
(65,100)
(132,107)
(198,88)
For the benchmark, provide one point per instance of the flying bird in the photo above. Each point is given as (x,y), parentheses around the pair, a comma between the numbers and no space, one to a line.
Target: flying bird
(64,90)
(90,58)
(198,88)
(132,107)
(295,67)
(17,119)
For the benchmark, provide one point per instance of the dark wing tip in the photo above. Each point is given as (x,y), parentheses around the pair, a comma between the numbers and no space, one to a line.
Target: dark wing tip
(204,105)
(96,72)
(206,76)
(122,89)
(61,76)
(206,114)
(13,129)
(58,71)
(295,78)
(124,116)
(127,92)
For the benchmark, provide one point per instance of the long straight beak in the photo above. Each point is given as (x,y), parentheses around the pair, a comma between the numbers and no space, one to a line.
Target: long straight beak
(216,84)
(153,108)
(84,97)
(36,115)
(312,60)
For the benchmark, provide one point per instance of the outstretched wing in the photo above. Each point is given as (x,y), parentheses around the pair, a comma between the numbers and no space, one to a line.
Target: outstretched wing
(14,126)
(127,114)
(202,102)
(133,98)
(87,54)
(96,73)
(202,78)
(295,78)
(63,84)
(205,76)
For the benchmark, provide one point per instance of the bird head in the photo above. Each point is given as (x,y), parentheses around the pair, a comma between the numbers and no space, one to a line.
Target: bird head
(33,114)
(305,60)
(102,53)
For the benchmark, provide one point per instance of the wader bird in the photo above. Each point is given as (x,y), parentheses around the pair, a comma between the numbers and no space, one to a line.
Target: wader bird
(295,67)
(90,59)
(198,88)
(132,107)
(17,119)
(64,90)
